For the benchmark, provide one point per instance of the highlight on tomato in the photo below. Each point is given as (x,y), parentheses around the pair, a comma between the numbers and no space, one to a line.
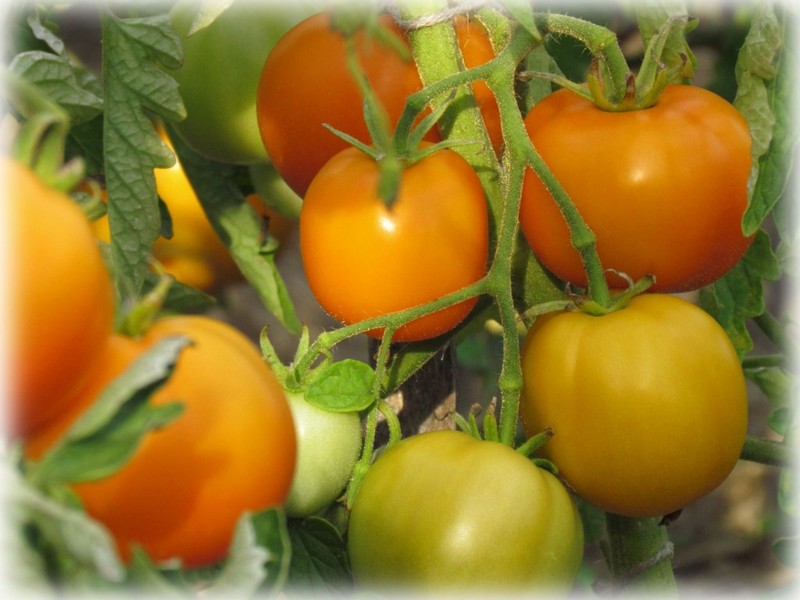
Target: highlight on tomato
(306,83)
(61,298)
(647,404)
(363,259)
(232,450)
(663,189)
(445,512)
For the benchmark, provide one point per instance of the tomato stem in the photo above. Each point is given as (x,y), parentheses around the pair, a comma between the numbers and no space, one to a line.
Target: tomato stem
(766,452)
(638,554)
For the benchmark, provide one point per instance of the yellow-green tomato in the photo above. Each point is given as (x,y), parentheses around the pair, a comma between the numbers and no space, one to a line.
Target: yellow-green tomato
(220,72)
(443,511)
(328,445)
(647,405)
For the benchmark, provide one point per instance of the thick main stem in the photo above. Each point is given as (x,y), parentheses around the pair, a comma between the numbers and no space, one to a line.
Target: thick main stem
(639,555)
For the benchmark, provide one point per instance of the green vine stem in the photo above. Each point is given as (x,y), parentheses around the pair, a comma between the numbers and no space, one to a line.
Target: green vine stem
(767,452)
(639,555)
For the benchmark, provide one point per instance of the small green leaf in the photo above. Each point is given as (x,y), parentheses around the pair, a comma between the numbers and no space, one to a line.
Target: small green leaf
(108,433)
(785,549)
(739,295)
(342,386)
(765,83)
(271,533)
(319,556)
(56,77)
(67,530)
(247,565)
(239,228)
(774,382)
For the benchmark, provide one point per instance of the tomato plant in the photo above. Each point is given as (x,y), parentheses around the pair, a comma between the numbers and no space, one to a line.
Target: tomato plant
(306,83)
(634,177)
(232,450)
(226,56)
(390,257)
(328,445)
(62,302)
(647,404)
(444,510)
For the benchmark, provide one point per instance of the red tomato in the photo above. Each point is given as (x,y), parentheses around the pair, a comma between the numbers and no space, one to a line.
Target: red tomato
(664,189)
(363,259)
(232,450)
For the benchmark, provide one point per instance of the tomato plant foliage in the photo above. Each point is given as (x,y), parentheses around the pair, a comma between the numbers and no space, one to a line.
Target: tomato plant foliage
(417,237)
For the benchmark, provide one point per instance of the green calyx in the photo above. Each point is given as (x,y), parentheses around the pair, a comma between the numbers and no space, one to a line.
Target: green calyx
(611,85)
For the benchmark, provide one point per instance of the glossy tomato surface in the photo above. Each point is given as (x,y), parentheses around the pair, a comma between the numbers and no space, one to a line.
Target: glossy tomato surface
(442,511)
(61,298)
(647,405)
(219,76)
(364,260)
(232,450)
(306,83)
(328,445)
(664,189)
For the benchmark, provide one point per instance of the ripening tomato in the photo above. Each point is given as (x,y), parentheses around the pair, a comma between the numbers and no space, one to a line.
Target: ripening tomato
(219,76)
(306,83)
(443,511)
(328,445)
(62,301)
(364,260)
(232,449)
(664,189)
(647,404)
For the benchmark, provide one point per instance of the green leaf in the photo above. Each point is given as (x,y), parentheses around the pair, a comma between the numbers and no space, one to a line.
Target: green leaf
(319,556)
(135,87)
(667,18)
(776,383)
(245,568)
(144,577)
(56,77)
(239,228)
(109,432)
(765,78)
(67,531)
(739,295)
(342,386)
(271,533)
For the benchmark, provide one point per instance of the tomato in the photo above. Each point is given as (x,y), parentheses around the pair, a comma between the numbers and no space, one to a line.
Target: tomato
(328,445)
(61,300)
(306,82)
(647,404)
(364,260)
(219,77)
(664,189)
(232,450)
(442,510)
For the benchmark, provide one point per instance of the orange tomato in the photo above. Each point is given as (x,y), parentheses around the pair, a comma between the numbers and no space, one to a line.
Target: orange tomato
(62,302)
(232,450)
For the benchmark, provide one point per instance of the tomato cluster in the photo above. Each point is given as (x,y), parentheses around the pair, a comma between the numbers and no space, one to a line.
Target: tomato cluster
(182,492)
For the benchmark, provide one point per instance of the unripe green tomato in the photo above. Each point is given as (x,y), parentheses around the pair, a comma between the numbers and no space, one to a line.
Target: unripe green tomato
(328,445)
(219,76)
(443,511)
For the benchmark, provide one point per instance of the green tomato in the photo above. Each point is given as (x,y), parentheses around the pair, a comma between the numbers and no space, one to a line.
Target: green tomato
(328,445)
(219,77)
(445,511)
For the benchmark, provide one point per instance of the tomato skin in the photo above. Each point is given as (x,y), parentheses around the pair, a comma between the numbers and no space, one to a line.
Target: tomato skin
(648,404)
(62,301)
(232,450)
(306,82)
(664,189)
(364,260)
(442,510)
(219,77)
(328,445)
